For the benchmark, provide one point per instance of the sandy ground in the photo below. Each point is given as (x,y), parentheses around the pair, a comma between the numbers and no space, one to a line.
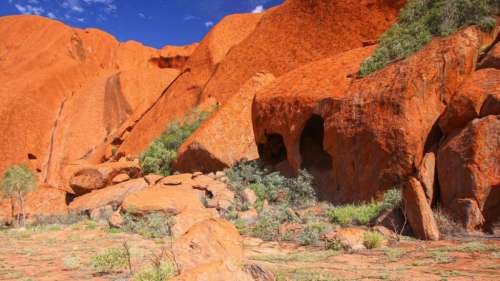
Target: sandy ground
(41,254)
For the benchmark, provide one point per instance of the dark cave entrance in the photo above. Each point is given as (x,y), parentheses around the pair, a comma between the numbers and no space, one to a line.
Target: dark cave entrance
(314,158)
(273,151)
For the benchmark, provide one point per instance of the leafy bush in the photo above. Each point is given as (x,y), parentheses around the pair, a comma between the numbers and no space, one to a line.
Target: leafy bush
(372,240)
(163,272)
(362,214)
(111,260)
(268,225)
(17,181)
(311,234)
(156,225)
(420,20)
(160,155)
(272,186)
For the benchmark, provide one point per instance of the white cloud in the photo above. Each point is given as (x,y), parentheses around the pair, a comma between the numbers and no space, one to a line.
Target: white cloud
(51,15)
(191,17)
(258,9)
(29,10)
(209,23)
(141,15)
(73,5)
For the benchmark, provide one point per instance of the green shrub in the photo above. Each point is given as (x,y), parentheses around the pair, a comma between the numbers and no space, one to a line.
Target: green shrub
(301,192)
(354,214)
(111,260)
(311,234)
(160,155)
(163,272)
(155,225)
(268,225)
(362,214)
(17,181)
(420,20)
(372,240)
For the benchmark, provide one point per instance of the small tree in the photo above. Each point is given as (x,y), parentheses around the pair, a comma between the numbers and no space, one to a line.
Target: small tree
(16,182)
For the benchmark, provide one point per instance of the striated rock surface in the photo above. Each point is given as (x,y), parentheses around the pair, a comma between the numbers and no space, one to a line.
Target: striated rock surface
(227,136)
(187,88)
(298,32)
(90,83)
(468,168)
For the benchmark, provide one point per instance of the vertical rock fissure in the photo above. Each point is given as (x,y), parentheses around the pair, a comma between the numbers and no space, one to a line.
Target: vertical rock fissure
(51,142)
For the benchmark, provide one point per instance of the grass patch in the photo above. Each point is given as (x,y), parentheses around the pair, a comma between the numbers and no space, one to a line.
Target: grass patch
(372,240)
(364,213)
(160,155)
(109,261)
(71,262)
(421,20)
(303,275)
(163,271)
(394,254)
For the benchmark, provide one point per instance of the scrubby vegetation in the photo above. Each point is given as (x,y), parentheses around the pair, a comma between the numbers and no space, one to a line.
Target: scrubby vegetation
(163,271)
(421,20)
(160,155)
(17,181)
(372,240)
(156,225)
(362,214)
(111,260)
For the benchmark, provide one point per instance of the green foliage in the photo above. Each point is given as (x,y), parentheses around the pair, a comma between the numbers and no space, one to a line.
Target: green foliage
(162,272)
(272,186)
(372,240)
(160,155)
(362,214)
(17,181)
(111,260)
(311,234)
(421,20)
(155,225)
(268,225)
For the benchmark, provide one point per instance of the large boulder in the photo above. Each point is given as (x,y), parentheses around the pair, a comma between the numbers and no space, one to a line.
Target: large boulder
(85,92)
(418,211)
(227,136)
(111,195)
(209,241)
(93,177)
(468,102)
(468,165)
(360,137)
(169,200)
(186,89)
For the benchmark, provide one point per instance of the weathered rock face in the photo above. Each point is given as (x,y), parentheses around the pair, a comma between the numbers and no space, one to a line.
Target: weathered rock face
(492,58)
(187,88)
(298,32)
(219,270)
(90,83)
(209,241)
(468,164)
(227,136)
(362,136)
(419,212)
(468,102)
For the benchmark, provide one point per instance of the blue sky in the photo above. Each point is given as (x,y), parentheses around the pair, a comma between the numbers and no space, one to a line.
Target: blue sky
(153,22)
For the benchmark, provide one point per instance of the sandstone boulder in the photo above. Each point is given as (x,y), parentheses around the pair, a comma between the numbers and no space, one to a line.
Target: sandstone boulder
(467,103)
(99,176)
(111,195)
(468,164)
(169,200)
(221,270)
(185,220)
(418,211)
(492,58)
(209,241)
(207,150)
(427,175)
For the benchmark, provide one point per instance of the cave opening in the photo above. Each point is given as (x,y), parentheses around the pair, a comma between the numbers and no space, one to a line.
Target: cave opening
(314,157)
(273,151)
